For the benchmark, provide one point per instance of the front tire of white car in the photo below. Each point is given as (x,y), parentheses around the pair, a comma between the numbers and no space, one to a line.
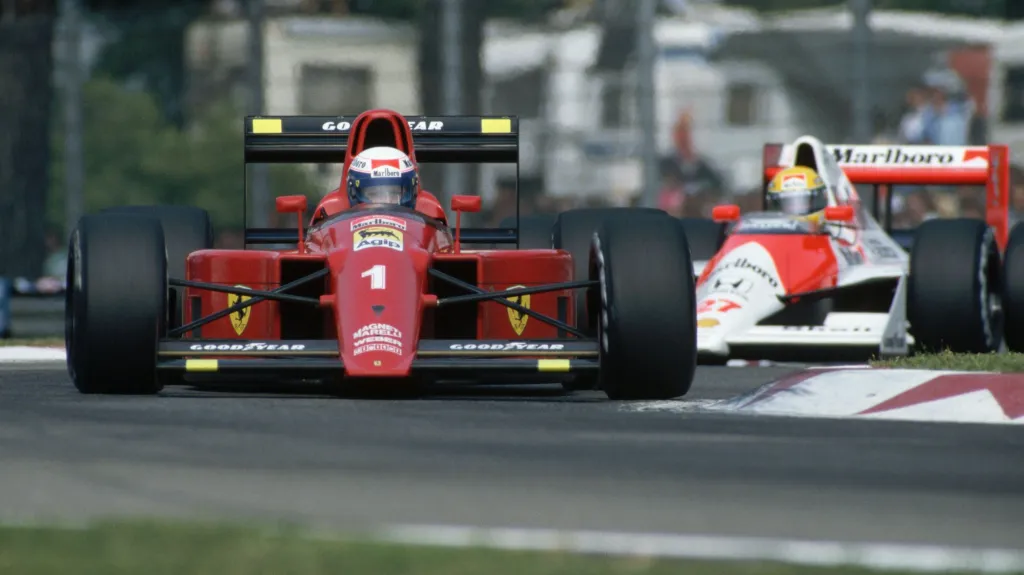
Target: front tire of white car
(953,292)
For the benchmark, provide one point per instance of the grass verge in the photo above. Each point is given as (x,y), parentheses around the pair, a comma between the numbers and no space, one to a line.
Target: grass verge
(185,549)
(33,342)
(999,362)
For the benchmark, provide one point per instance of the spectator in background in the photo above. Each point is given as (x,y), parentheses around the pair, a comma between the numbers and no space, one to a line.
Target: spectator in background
(693,172)
(504,204)
(951,109)
(947,204)
(919,206)
(532,200)
(671,196)
(912,131)
(971,207)
(969,195)
(916,117)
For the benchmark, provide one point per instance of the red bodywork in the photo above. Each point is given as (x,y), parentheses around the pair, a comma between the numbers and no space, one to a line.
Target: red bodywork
(378,300)
(805,263)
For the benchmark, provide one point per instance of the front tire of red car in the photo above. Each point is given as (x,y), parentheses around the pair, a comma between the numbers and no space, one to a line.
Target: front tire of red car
(116,302)
(186,229)
(647,317)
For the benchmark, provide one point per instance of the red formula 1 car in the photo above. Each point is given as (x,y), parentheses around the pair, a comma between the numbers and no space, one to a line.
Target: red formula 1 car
(378,296)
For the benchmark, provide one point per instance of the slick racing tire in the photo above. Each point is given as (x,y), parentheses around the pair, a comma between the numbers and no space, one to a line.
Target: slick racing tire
(115,304)
(186,229)
(534,231)
(953,299)
(573,231)
(705,237)
(1013,290)
(647,318)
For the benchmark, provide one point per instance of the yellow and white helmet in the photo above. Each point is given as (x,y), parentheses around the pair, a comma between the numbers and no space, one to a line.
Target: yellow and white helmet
(797,191)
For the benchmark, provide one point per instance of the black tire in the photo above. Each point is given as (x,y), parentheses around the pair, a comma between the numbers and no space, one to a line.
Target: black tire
(534,230)
(705,237)
(1013,290)
(573,231)
(186,229)
(648,315)
(115,302)
(953,290)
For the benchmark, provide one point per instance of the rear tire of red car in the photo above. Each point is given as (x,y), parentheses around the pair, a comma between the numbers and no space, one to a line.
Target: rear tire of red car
(115,303)
(1013,290)
(953,300)
(647,316)
(534,231)
(186,229)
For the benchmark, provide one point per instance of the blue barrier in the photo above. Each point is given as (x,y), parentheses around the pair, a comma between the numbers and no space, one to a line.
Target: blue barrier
(5,308)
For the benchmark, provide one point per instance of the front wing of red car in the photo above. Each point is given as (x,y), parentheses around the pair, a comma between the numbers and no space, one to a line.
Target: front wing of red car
(441,358)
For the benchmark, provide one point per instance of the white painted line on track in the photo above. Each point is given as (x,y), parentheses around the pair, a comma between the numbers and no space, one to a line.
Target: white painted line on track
(24,353)
(922,558)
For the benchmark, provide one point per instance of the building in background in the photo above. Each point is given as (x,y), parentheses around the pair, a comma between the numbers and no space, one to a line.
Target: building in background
(741,79)
(1006,91)
(324,64)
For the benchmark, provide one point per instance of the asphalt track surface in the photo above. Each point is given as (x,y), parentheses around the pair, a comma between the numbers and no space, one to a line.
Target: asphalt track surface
(504,458)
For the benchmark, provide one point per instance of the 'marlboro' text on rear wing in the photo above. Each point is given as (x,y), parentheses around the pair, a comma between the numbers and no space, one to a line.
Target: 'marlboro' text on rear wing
(987,166)
(436,139)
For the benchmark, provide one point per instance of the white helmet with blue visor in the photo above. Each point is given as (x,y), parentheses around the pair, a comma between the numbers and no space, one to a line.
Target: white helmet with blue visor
(382,176)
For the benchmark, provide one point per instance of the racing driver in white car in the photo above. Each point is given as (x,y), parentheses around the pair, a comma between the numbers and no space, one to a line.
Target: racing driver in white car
(800,192)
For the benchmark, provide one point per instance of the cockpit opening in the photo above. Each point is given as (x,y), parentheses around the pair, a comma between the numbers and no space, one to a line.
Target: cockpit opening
(381,132)
(805,157)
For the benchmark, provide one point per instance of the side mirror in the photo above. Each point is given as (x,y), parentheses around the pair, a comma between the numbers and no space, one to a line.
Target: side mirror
(839,214)
(725,213)
(294,205)
(291,204)
(469,204)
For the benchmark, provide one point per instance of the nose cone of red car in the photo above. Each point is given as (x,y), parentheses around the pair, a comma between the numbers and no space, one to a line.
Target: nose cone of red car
(379,267)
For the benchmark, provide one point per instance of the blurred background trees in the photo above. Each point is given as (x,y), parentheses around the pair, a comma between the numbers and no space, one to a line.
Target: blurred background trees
(137,154)
(26,96)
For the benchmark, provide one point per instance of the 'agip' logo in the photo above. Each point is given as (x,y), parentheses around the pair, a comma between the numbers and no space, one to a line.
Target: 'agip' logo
(240,318)
(378,237)
(515,317)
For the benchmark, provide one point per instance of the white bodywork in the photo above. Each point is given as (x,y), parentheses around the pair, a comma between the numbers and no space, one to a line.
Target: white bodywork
(745,287)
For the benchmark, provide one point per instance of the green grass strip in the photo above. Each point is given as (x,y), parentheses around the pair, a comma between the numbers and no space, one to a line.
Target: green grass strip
(158,548)
(947,360)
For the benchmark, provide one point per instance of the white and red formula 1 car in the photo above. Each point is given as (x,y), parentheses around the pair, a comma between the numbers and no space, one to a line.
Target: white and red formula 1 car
(786,288)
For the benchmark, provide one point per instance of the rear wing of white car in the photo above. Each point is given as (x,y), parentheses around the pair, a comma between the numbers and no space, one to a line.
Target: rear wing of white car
(883,166)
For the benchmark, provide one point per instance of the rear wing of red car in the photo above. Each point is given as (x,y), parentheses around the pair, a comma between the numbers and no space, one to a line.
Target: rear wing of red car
(886,165)
(436,139)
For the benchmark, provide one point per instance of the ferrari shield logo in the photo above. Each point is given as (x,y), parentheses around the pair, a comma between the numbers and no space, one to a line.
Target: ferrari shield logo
(240,318)
(517,319)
